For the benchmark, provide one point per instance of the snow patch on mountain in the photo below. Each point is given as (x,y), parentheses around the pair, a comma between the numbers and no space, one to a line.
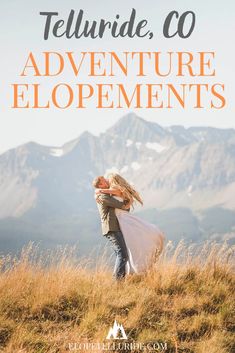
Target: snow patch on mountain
(56,152)
(155,146)
(124,169)
(111,170)
(189,190)
(135,166)
(129,143)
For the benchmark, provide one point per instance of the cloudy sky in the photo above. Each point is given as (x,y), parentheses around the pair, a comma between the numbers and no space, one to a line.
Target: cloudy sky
(21,31)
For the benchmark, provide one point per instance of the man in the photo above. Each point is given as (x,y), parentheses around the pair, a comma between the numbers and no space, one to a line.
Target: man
(110,227)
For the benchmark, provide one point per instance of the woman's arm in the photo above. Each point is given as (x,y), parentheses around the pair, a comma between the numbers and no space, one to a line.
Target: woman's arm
(111,202)
(109,191)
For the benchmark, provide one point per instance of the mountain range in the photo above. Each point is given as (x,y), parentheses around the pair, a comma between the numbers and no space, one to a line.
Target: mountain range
(185,176)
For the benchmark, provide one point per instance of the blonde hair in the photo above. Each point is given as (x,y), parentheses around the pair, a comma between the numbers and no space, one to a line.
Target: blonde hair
(116,181)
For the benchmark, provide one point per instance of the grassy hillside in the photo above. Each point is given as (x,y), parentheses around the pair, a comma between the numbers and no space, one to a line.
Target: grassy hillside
(185,300)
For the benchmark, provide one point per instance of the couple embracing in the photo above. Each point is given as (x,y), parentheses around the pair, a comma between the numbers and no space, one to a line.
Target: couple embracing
(136,242)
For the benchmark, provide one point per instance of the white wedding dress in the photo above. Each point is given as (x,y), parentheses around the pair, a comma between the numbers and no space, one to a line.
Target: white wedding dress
(143,240)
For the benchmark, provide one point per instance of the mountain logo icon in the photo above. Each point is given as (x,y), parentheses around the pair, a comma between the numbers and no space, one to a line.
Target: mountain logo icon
(116,332)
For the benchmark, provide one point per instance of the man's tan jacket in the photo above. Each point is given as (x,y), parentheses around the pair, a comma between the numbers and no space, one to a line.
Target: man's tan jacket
(106,209)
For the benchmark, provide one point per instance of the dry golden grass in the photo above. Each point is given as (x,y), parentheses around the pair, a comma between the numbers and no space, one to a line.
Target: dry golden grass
(186,300)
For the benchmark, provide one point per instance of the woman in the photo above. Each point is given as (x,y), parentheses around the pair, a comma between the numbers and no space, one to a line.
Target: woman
(144,240)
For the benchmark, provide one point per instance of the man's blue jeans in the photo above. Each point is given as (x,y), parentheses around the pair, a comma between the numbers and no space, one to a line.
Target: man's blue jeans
(119,247)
